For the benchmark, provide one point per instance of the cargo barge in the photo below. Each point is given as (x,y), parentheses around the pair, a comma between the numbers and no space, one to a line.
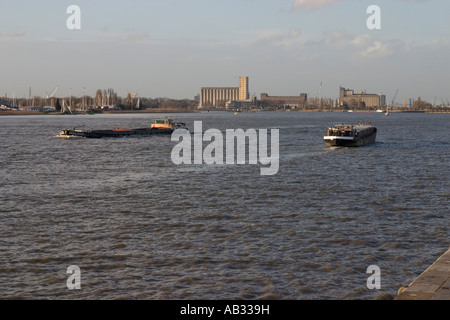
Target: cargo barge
(159,127)
(350,135)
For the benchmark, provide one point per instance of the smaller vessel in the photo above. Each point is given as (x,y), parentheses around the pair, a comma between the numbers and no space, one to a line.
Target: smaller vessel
(350,135)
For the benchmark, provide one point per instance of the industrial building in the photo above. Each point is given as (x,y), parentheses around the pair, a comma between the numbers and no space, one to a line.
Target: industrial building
(220,96)
(351,99)
(5,104)
(295,102)
(240,105)
(243,89)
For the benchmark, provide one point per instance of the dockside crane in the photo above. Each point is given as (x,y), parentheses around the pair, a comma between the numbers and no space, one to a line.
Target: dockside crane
(393,100)
(138,100)
(131,98)
(52,95)
(318,93)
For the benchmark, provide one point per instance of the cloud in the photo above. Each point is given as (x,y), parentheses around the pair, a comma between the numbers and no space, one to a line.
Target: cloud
(361,40)
(364,46)
(318,4)
(312,4)
(14,34)
(337,36)
(275,38)
(383,49)
(134,37)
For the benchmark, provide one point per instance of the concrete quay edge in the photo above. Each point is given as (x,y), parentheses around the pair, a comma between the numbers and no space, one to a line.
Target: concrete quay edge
(432,284)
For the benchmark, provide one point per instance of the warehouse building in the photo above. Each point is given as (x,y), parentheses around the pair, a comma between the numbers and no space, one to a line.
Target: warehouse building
(294,102)
(350,98)
(220,96)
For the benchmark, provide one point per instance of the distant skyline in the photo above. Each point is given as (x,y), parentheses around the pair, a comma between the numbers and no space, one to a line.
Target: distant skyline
(172,48)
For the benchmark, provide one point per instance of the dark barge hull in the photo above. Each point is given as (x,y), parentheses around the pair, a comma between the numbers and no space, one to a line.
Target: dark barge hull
(97,134)
(357,142)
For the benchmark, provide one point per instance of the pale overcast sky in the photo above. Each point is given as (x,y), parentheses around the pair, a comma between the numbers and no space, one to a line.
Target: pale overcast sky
(171,48)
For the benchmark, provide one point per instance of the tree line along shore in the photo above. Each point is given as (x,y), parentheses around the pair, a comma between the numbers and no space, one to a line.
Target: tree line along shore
(108,101)
(160,111)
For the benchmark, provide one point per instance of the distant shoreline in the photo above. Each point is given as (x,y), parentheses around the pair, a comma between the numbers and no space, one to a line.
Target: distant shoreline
(38,113)
(158,111)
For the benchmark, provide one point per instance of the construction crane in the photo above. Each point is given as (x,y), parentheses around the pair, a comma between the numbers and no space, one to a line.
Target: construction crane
(49,96)
(393,100)
(53,93)
(319,90)
(138,100)
(434,101)
(131,98)
(318,93)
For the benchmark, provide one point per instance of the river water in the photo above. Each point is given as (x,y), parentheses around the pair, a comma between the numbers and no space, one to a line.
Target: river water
(140,227)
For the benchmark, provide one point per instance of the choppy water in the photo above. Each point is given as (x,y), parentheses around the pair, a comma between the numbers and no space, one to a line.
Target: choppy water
(140,227)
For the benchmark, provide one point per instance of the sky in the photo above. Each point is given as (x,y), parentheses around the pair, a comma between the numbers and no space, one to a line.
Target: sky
(172,48)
